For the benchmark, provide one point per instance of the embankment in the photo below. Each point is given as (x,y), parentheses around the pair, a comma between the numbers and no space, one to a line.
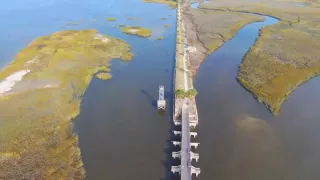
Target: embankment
(183,75)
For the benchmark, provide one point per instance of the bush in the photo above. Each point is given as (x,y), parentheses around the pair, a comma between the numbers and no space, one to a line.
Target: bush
(183,94)
(180,93)
(191,93)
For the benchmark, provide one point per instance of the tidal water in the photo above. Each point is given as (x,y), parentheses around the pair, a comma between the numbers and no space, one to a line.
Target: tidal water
(123,137)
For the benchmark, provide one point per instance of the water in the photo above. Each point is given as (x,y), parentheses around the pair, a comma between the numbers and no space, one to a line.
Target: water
(232,146)
(121,134)
(195,5)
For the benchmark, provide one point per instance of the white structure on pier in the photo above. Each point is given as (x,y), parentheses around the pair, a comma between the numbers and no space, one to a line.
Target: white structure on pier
(161,102)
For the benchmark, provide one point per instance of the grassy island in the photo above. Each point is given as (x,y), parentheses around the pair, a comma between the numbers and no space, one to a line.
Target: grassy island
(136,30)
(40,93)
(160,37)
(111,19)
(171,3)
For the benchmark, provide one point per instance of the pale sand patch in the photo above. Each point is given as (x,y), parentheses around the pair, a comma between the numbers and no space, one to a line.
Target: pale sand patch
(8,83)
(134,30)
(33,60)
(100,37)
(192,49)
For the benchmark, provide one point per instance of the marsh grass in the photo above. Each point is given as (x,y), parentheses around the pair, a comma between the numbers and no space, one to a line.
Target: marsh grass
(111,19)
(179,93)
(137,30)
(127,56)
(276,65)
(36,137)
(104,76)
(226,26)
(171,3)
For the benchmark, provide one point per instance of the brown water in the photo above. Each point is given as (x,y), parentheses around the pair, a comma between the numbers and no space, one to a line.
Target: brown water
(239,138)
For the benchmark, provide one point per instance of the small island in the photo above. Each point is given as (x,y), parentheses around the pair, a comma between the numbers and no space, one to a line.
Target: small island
(111,19)
(137,30)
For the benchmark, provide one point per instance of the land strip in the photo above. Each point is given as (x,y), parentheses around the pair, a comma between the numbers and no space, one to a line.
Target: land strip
(171,3)
(208,29)
(183,79)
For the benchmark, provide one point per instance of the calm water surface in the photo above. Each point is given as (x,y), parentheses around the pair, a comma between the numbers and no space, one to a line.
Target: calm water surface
(121,134)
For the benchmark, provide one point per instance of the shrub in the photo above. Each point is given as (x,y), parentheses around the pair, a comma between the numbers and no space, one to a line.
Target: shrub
(191,93)
(180,93)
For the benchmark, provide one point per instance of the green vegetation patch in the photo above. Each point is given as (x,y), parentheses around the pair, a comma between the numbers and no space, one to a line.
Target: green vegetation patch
(171,3)
(160,38)
(186,94)
(104,76)
(111,19)
(127,56)
(137,30)
(36,136)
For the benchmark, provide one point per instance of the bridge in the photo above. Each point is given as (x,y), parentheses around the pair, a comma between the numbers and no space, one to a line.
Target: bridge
(186,155)
(185,109)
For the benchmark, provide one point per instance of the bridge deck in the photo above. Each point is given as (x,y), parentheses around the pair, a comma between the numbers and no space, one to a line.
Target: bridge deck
(185,144)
